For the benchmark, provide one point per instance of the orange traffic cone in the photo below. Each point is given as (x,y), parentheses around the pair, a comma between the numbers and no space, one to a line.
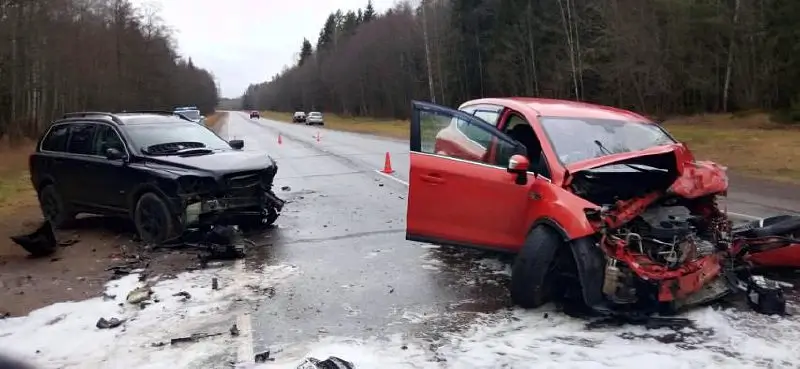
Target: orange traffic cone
(387,165)
(280,141)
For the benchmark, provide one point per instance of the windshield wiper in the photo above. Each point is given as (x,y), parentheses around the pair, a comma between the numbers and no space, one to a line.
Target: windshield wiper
(609,152)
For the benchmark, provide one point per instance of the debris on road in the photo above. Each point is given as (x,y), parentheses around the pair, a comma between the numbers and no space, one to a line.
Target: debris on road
(139,295)
(102,323)
(214,284)
(193,338)
(234,330)
(332,362)
(39,243)
(185,295)
(263,357)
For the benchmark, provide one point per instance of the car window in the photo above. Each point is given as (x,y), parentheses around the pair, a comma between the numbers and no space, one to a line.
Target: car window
(488,116)
(107,138)
(474,132)
(145,135)
(56,139)
(577,139)
(191,114)
(81,138)
(467,139)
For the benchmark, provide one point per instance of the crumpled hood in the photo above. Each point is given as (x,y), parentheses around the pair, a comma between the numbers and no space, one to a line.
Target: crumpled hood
(222,162)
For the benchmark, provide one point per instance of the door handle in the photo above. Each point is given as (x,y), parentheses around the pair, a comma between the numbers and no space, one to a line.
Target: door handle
(432,178)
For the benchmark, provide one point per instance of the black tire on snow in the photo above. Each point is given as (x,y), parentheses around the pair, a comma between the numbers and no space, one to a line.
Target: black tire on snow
(532,276)
(53,207)
(153,220)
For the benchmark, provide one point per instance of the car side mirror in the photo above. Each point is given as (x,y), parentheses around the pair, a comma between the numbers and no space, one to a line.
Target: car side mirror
(236,144)
(519,164)
(114,154)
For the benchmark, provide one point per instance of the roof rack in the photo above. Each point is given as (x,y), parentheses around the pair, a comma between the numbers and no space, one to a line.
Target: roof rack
(83,114)
(159,112)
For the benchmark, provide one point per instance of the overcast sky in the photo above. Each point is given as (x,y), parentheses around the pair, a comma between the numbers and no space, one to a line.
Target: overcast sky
(247,41)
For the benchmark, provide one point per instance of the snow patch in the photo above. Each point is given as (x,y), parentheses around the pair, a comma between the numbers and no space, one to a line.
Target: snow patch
(64,335)
(547,339)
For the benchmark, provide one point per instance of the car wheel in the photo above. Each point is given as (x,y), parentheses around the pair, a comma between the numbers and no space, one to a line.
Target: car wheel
(54,209)
(537,273)
(154,222)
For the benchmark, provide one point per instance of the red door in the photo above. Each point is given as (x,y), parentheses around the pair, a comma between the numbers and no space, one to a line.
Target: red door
(463,200)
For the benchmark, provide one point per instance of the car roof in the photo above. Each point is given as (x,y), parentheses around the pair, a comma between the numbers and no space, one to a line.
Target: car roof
(562,108)
(141,118)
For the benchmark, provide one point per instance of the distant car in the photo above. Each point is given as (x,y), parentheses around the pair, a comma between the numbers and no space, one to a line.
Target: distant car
(161,170)
(192,113)
(299,117)
(315,118)
(255,114)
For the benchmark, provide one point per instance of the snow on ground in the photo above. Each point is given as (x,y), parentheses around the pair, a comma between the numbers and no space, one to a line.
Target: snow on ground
(528,339)
(64,335)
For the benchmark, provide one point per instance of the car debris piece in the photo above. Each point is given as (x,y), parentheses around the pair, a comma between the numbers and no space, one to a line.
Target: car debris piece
(234,330)
(332,362)
(139,295)
(765,296)
(214,283)
(104,323)
(262,357)
(185,295)
(39,243)
(192,338)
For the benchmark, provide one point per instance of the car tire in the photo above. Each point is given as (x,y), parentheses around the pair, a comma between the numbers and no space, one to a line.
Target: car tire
(153,220)
(53,207)
(534,274)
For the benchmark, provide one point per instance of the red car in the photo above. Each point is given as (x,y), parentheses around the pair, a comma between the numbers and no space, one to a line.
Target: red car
(603,207)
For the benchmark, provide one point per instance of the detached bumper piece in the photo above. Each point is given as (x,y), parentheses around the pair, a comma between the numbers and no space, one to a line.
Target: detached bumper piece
(765,296)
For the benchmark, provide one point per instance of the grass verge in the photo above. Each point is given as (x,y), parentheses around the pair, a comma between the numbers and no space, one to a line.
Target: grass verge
(15,184)
(214,119)
(749,144)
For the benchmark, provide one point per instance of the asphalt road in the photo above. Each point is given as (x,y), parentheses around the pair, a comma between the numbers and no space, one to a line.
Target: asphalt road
(343,230)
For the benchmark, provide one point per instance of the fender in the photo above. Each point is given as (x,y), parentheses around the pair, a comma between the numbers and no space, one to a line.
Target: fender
(140,189)
(560,209)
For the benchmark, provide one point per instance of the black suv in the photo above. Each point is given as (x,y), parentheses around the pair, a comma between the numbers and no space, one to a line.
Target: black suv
(160,169)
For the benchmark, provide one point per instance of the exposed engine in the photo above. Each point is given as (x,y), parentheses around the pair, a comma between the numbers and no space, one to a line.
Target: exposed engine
(668,235)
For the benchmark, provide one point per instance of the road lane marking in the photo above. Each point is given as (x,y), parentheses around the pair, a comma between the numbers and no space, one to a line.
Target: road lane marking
(745,216)
(391,177)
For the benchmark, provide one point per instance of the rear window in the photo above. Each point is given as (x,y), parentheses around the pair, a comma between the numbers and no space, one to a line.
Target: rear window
(191,114)
(56,139)
(315,114)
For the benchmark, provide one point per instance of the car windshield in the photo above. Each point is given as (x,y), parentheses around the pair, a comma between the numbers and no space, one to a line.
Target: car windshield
(577,139)
(191,114)
(146,135)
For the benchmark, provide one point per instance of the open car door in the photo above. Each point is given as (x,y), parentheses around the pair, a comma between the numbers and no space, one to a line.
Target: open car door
(457,195)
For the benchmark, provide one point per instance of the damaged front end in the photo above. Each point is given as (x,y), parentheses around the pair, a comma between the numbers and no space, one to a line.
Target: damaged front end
(241,198)
(666,243)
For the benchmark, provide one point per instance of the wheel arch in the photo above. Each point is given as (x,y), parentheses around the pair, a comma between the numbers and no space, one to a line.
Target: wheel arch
(589,259)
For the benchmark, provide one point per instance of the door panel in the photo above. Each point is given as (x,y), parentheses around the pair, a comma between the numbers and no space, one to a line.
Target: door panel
(463,199)
(113,178)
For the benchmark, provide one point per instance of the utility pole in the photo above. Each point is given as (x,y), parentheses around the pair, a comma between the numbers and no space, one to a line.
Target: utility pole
(427,53)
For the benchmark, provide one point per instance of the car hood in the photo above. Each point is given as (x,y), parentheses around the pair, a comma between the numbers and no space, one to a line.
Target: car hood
(679,149)
(218,163)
